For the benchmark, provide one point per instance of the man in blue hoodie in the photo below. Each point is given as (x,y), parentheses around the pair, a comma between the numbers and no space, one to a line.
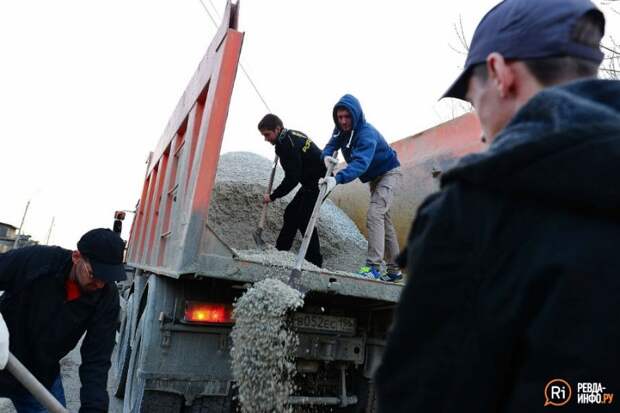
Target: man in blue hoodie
(372,160)
(513,281)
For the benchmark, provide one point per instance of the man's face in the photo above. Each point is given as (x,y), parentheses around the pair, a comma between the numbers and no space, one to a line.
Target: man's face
(492,110)
(271,136)
(499,96)
(345,122)
(85,277)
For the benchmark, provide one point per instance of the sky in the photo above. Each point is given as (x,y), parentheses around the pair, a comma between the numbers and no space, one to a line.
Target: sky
(87,87)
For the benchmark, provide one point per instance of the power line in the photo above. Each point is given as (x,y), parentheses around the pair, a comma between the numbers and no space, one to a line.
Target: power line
(245,72)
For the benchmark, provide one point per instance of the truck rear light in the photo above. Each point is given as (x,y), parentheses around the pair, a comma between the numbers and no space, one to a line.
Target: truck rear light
(208,313)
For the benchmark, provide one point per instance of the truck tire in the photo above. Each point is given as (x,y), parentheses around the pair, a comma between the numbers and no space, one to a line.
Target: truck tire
(212,404)
(123,353)
(161,402)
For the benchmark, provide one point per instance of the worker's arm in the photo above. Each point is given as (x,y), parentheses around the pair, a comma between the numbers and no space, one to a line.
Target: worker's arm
(96,353)
(290,159)
(361,156)
(435,315)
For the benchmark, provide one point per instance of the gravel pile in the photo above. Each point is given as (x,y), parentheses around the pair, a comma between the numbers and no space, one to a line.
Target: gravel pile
(235,208)
(263,352)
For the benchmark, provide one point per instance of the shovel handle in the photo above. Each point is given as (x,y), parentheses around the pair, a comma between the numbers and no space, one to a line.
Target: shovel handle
(21,373)
(263,214)
(311,223)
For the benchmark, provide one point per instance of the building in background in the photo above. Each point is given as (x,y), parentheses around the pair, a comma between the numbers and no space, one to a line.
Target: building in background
(8,233)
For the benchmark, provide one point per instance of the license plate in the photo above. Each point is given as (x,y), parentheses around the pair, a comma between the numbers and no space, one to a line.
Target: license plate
(324,323)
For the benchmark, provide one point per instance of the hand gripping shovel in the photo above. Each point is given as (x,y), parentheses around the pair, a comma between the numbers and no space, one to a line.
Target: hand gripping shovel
(295,277)
(17,369)
(258,239)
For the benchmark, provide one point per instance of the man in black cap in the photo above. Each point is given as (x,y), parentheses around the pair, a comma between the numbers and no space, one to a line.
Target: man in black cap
(53,296)
(512,296)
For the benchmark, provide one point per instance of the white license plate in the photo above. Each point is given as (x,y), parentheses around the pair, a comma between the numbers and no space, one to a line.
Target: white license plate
(324,323)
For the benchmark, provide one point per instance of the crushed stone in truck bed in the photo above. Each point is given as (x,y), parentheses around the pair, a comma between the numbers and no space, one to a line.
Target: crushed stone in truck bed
(235,208)
(263,352)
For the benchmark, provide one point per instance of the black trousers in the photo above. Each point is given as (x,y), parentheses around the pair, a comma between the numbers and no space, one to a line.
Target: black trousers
(296,217)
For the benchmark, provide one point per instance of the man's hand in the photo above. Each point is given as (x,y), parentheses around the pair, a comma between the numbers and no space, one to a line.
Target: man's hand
(4,344)
(266,198)
(329,182)
(330,161)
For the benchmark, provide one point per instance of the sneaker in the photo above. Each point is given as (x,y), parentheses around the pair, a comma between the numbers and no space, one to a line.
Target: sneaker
(370,271)
(392,277)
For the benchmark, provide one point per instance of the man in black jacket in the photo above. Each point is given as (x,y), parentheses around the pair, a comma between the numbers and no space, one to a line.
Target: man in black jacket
(53,296)
(301,160)
(511,304)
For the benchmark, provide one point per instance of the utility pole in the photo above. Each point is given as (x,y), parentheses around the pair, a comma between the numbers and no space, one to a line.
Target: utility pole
(49,233)
(19,231)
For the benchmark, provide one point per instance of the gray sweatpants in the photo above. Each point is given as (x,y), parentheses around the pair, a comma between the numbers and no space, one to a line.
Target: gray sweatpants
(382,239)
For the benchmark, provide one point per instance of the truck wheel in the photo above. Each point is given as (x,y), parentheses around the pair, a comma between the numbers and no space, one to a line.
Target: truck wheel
(212,404)
(123,353)
(137,400)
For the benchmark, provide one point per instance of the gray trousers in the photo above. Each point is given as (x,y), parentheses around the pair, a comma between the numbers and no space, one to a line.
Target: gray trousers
(382,239)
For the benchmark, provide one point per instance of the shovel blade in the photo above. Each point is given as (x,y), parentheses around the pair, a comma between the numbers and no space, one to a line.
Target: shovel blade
(258,239)
(294,280)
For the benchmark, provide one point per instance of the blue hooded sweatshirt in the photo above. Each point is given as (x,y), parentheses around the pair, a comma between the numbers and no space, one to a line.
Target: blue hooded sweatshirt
(367,153)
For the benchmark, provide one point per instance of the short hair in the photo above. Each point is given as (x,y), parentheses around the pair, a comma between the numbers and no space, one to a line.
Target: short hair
(270,122)
(549,71)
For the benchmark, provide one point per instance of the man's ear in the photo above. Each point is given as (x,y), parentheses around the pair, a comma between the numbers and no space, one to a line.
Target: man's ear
(501,74)
(75,256)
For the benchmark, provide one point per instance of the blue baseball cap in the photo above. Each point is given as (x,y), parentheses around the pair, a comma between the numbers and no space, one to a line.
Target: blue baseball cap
(528,29)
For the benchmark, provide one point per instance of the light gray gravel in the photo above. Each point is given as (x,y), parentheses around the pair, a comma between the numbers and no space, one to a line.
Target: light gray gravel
(263,353)
(234,213)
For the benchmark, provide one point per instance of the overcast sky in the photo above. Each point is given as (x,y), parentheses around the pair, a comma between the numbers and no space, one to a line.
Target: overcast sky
(87,87)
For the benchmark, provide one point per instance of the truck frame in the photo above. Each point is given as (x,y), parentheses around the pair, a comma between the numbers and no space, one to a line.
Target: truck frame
(168,361)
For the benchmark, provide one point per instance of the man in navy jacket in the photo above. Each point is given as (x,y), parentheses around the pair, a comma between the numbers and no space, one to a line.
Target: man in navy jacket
(52,296)
(513,283)
(372,160)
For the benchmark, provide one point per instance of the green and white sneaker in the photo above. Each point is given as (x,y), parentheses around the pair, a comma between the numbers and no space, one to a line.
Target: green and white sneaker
(370,271)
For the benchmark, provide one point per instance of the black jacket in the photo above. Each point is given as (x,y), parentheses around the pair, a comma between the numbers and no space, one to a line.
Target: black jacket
(514,267)
(44,327)
(301,160)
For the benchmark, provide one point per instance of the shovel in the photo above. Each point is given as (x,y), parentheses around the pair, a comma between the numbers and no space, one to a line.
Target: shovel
(21,373)
(295,277)
(257,235)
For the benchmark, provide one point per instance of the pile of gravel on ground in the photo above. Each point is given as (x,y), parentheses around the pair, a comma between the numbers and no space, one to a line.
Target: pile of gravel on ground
(235,208)
(263,352)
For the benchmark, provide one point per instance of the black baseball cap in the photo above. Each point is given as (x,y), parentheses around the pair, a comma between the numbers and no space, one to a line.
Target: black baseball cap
(104,250)
(527,29)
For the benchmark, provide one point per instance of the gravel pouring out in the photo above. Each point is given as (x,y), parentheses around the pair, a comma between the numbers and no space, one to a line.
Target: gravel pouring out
(263,352)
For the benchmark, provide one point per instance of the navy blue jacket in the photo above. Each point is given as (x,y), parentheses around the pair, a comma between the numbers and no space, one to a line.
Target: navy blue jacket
(513,267)
(367,153)
(44,327)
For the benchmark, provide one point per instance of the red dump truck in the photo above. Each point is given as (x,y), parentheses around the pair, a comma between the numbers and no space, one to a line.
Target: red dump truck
(174,345)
